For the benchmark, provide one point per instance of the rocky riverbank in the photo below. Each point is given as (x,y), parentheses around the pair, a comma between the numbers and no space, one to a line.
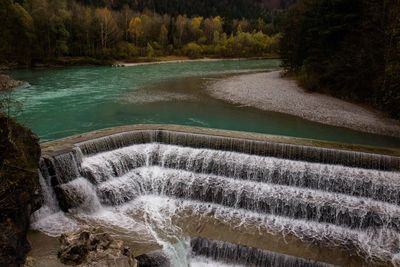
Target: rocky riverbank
(94,247)
(19,189)
(270,91)
(7,83)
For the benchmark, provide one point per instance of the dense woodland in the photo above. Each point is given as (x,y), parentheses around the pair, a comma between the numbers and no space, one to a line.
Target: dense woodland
(225,8)
(350,49)
(40,30)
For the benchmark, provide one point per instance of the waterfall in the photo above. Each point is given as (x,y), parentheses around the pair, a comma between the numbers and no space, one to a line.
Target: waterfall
(101,167)
(254,147)
(263,198)
(49,218)
(227,252)
(80,194)
(378,185)
(372,243)
(118,141)
(160,185)
(62,168)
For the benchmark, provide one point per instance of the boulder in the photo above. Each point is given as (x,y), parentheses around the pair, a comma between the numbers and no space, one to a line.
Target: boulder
(153,259)
(68,197)
(95,248)
(7,83)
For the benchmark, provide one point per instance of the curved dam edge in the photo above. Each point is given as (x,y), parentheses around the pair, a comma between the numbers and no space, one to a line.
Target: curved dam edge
(67,144)
(60,154)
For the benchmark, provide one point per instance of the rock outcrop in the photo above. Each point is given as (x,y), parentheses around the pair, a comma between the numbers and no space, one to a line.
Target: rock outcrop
(68,197)
(153,259)
(19,189)
(95,248)
(7,83)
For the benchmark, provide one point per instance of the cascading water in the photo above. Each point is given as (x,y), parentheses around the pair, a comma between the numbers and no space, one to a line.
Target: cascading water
(234,253)
(162,187)
(49,218)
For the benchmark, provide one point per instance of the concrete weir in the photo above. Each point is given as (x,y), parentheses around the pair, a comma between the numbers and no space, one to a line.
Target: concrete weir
(242,198)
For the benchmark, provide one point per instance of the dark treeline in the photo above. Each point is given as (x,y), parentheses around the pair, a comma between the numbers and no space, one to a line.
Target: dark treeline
(225,8)
(35,31)
(350,49)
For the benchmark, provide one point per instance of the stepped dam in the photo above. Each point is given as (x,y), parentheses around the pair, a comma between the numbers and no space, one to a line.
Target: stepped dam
(209,197)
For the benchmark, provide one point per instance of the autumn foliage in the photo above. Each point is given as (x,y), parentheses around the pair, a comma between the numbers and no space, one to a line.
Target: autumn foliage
(40,30)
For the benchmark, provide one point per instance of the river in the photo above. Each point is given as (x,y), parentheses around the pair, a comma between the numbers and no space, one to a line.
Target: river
(60,102)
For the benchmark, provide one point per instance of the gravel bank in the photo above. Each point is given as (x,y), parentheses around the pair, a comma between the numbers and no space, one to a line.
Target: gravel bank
(269,91)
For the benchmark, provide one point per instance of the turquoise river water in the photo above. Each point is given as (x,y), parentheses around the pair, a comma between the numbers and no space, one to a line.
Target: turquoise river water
(66,101)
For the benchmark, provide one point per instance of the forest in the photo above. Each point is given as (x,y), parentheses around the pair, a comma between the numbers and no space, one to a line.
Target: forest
(347,49)
(205,8)
(34,31)
(350,49)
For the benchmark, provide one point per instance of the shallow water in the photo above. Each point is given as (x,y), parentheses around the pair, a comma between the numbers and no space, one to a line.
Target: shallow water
(66,101)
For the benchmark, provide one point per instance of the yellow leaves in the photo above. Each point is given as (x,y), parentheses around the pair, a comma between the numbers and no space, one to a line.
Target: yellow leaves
(142,28)
(196,23)
(163,38)
(217,22)
(193,50)
(211,26)
(136,27)
(108,30)
(180,23)
(24,21)
(251,44)
(105,16)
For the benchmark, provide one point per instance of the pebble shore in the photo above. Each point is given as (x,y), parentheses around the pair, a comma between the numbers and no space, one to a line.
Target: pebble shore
(272,92)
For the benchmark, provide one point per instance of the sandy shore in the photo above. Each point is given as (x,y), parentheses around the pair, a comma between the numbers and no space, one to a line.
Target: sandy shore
(268,91)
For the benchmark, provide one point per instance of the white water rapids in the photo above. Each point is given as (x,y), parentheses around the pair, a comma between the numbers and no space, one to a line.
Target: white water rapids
(148,191)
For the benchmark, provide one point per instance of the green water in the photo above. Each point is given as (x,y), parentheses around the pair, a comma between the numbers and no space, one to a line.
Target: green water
(66,101)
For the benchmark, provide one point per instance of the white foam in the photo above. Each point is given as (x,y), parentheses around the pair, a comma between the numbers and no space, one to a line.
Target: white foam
(55,224)
(380,244)
(199,261)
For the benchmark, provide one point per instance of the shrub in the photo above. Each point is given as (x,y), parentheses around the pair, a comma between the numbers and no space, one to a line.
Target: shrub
(193,50)
(127,50)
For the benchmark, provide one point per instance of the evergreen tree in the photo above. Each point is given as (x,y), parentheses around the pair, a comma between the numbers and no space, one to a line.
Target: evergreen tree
(346,48)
